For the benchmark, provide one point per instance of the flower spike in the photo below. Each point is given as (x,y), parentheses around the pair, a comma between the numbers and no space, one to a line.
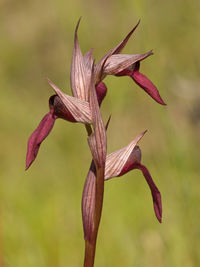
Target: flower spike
(88,92)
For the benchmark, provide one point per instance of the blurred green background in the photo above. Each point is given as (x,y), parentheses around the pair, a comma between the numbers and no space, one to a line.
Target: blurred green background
(40,214)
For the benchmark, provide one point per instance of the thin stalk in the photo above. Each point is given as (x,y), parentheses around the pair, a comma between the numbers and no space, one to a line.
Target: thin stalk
(89,254)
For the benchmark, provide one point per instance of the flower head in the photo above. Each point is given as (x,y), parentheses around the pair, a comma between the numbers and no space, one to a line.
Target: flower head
(69,108)
(126,159)
(114,63)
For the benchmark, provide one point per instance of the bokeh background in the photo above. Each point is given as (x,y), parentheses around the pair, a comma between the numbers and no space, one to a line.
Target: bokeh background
(40,214)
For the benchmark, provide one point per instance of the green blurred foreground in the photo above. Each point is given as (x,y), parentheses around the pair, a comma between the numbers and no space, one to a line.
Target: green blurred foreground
(40,209)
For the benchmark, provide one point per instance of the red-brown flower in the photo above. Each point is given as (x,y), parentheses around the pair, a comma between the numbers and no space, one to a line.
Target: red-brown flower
(126,159)
(114,63)
(74,108)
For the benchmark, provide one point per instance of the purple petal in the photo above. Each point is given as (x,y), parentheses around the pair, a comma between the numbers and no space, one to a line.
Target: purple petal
(37,137)
(134,163)
(143,82)
(101,91)
(157,203)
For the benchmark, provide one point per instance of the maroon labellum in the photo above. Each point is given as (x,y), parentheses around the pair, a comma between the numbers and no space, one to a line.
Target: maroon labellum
(132,163)
(38,136)
(141,80)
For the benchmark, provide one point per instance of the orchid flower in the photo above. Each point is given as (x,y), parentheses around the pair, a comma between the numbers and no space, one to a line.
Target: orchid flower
(71,108)
(117,164)
(114,63)
(60,106)
(126,159)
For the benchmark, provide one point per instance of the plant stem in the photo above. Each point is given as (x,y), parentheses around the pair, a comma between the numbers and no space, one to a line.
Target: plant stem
(89,254)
